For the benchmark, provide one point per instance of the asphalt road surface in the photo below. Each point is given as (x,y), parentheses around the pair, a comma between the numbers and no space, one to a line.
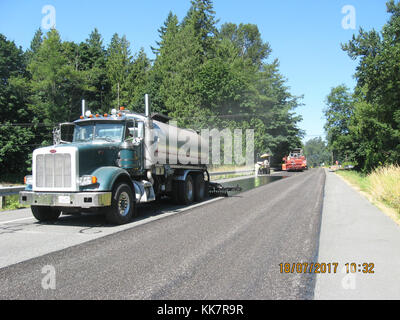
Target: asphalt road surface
(228,248)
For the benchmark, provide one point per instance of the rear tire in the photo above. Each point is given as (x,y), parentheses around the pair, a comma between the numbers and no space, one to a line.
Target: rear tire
(122,205)
(45,214)
(199,187)
(186,190)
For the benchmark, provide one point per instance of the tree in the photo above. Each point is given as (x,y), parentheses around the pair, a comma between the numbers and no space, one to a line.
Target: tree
(16,135)
(201,17)
(35,45)
(317,152)
(139,80)
(118,65)
(57,82)
(376,121)
(247,39)
(164,63)
(202,76)
(338,114)
(93,60)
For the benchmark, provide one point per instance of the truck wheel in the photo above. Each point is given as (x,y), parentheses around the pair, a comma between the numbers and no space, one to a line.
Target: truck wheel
(45,213)
(186,190)
(122,205)
(175,191)
(199,187)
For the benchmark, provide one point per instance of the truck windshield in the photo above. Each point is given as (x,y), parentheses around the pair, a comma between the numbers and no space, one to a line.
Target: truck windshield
(111,132)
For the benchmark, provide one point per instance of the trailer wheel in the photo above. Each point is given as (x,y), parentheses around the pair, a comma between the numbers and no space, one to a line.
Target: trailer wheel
(122,205)
(45,213)
(186,190)
(174,193)
(199,187)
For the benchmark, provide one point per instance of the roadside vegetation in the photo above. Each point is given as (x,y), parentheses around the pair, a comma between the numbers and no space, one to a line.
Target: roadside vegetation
(202,73)
(382,186)
(11,203)
(317,152)
(363,124)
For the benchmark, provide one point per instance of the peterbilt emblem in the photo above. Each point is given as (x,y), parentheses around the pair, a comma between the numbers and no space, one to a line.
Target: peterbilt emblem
(53,151)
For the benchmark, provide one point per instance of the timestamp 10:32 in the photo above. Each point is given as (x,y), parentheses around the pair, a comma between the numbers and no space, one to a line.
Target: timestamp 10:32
(331,267)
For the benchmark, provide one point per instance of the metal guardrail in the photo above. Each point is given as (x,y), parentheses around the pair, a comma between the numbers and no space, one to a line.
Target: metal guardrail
(230,172)
(8,191)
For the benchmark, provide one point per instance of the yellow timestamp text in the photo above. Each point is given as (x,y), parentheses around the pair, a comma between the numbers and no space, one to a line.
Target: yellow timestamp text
(322,267)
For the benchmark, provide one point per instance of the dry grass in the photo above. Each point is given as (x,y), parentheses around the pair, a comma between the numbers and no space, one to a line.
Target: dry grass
(385,185)
(381,187)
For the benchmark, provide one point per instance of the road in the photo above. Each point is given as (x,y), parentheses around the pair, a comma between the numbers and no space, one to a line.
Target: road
(229,248)
(225,248)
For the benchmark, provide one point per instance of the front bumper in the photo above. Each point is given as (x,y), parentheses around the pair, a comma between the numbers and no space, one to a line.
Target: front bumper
(294,167)
(66,199)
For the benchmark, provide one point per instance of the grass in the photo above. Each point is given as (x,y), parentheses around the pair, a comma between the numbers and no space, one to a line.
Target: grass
(12,203)
(229,176)
(228,168)
(356,178)
(385,186)
(382,187)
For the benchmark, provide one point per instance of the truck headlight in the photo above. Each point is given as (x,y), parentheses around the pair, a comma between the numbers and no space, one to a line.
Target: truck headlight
(87,180)
(28,180)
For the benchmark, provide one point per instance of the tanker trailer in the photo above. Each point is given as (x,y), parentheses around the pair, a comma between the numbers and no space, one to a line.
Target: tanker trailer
(115,161)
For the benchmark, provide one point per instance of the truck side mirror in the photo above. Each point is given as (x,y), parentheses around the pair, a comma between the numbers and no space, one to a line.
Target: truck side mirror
(64,133)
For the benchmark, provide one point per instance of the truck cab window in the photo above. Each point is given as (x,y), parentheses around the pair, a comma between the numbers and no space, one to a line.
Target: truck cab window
(83,133)
(110,132)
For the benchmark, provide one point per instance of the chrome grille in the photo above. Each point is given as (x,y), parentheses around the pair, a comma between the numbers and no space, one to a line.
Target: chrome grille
(53,170)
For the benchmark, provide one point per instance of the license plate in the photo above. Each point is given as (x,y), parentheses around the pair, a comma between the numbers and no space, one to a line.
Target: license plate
(64,199)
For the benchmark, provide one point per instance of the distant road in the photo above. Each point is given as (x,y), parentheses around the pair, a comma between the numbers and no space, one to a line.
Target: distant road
(227,249)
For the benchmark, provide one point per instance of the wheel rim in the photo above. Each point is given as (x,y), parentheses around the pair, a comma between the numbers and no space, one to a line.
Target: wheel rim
(124,204)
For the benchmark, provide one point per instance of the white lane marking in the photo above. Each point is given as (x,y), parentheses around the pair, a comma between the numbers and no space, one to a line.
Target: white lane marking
(163,215)
(11,221)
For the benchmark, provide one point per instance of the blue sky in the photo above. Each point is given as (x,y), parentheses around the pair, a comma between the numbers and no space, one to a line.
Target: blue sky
(305,35)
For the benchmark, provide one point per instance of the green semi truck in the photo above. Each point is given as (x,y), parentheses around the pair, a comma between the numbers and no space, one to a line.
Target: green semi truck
(109,163)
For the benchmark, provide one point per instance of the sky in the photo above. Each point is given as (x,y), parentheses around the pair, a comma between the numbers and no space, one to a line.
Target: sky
(305,35)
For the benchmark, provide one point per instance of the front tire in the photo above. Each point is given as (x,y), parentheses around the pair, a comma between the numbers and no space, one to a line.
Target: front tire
(122,205)
(45,214)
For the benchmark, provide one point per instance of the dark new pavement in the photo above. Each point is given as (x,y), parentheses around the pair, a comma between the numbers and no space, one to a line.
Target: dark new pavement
(227,249)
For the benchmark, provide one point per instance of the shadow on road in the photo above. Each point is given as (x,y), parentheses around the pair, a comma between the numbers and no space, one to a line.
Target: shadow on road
(146,210)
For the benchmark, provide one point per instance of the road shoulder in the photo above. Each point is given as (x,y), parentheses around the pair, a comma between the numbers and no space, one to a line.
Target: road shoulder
(355,231)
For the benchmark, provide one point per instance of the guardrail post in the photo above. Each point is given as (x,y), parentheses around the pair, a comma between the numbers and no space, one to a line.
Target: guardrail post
(8,191)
